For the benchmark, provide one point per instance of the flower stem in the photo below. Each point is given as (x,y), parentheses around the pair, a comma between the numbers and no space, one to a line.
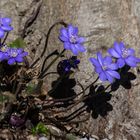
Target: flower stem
(47,68)
(5,38)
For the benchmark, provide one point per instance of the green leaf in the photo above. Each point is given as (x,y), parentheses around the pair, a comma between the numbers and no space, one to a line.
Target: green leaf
(18,43)
(33,130)
(40,129)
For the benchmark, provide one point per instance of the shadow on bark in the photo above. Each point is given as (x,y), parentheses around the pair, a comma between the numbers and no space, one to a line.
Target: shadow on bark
(63,89)
(98,103)
(125,81)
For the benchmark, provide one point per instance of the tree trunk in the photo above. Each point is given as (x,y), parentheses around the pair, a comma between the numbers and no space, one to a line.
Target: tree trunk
(101,22)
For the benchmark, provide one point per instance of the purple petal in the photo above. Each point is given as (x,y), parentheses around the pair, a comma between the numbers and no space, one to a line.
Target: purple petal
(107,60)
(5,56)
(73,49)
(131,51)
(95,62)
(67,45)
(7,28)
(80,48)
(113,66)
(19,59)
(20,50)
(113,53)
(67,69)
(6,21)
(122,46)
(24,54)
(11,61)
(102,76)
(100,59)
(117,47)
(63,38)
(63,32)
(109,78)
(113,74)
(120,62)
(131,61)
(137,60)
(1,33)
(81,40)
(99,70)
(72,30)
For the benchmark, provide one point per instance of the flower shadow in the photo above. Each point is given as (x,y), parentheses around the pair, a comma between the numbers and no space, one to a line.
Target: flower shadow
(63,89)
(126,78)
(98,102)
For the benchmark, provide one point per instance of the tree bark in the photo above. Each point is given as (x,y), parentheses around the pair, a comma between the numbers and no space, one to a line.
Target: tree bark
(101,22)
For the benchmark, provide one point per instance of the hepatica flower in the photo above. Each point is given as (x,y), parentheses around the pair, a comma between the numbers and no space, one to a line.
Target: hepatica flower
(105,68)
(16,55)
(72,41)
(124,55)
(12,55)
(5,25)
(67,64)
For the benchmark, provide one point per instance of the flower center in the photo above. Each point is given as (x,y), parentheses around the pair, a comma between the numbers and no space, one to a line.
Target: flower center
(104,67)
(13,53)
(124,52)
(73,39)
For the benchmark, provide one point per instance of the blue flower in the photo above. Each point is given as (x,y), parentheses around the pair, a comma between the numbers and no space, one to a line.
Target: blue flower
(5,26)
(105,68)
(71,39)
(124,55)
(65,65)
(16,55)
(12,55)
